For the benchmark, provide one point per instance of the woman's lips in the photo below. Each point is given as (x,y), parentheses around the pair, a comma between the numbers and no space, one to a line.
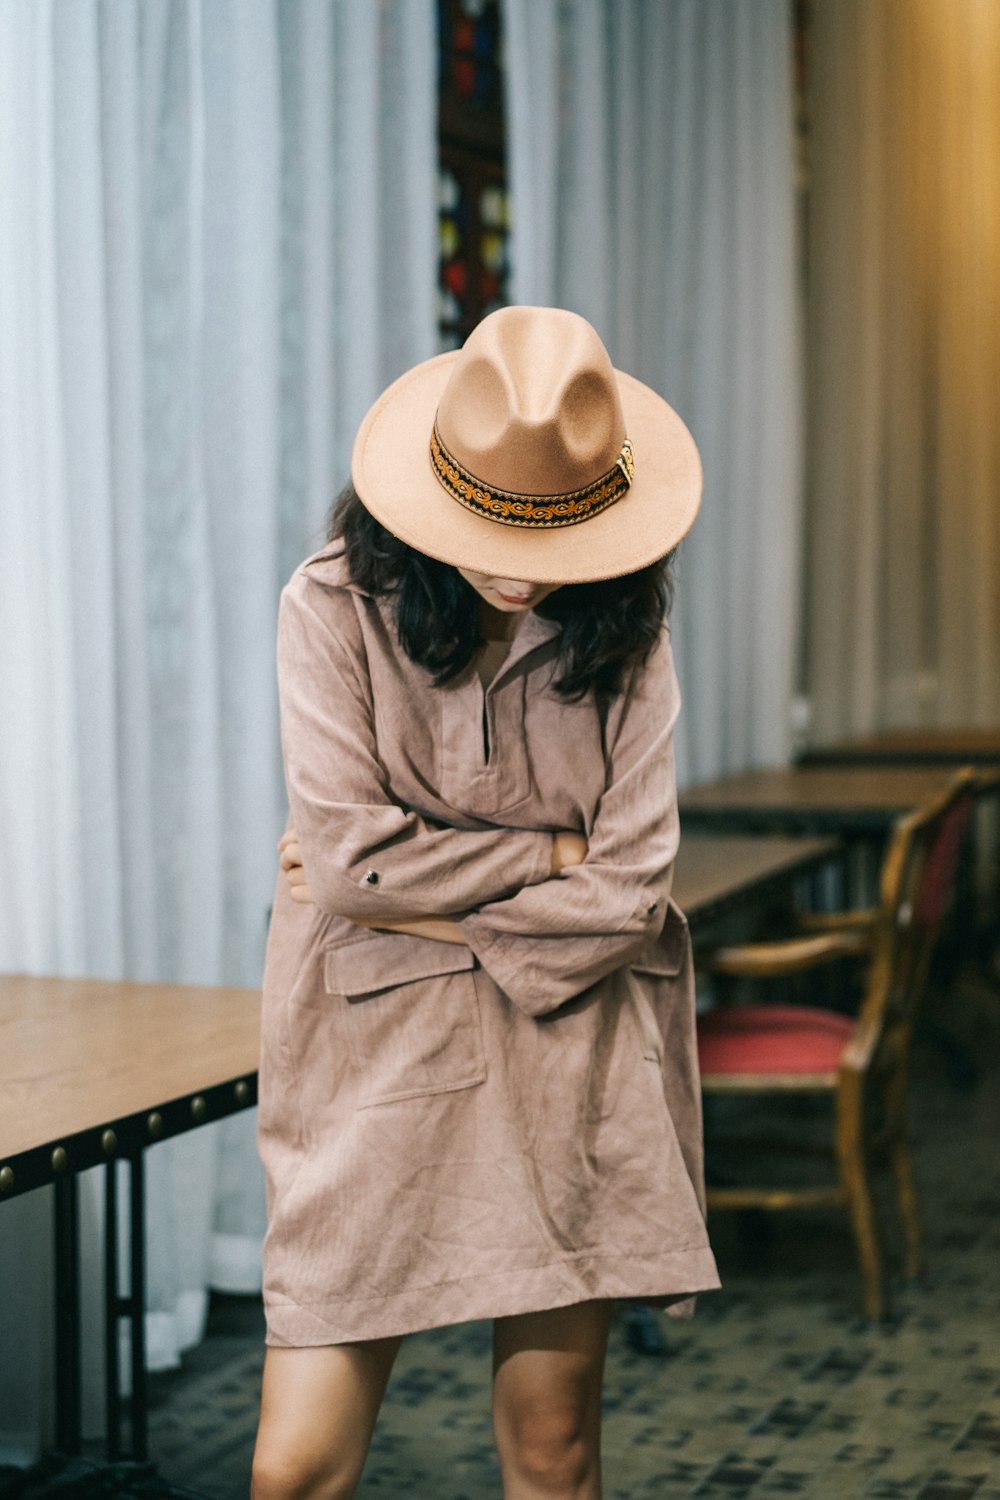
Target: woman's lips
(515,598)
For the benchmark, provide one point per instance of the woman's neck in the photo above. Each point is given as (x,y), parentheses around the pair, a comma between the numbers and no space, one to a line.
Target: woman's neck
(500,624)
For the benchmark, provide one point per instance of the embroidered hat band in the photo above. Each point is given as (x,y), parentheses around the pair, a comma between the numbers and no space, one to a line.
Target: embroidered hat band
(511,509)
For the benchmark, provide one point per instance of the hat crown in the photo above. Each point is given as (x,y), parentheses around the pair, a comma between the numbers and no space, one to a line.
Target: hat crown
(532,405)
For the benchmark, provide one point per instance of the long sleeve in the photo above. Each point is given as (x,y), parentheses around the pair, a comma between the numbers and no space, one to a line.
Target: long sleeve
(549,942)
(365,856)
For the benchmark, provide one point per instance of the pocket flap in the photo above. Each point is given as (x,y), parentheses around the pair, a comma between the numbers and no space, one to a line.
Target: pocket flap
(666,957)
(380,962)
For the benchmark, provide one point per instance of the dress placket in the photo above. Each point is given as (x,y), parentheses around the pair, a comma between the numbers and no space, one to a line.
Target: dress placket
(484,753)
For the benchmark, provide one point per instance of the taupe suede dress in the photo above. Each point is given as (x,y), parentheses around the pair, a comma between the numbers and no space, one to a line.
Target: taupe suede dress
(457,1132)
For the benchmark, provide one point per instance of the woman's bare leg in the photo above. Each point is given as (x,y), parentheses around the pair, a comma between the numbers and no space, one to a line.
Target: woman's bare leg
(548,1369)
(318,1410)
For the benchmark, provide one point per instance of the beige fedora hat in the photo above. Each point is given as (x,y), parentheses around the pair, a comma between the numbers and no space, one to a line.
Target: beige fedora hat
(526,455)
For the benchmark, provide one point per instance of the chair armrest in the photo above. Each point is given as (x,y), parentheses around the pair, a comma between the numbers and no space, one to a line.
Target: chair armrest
(861,920)
(789,956)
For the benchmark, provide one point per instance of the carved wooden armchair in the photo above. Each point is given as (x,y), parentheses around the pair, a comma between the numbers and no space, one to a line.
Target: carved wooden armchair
(861,1062)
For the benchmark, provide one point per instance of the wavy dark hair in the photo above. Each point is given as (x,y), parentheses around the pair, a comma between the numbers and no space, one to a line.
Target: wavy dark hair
(607,627)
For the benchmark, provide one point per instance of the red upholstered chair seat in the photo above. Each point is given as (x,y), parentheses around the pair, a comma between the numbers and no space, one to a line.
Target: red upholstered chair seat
(772,1039)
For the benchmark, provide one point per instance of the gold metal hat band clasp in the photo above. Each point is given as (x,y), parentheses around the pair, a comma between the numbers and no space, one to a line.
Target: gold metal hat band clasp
(511,509)
(626,461)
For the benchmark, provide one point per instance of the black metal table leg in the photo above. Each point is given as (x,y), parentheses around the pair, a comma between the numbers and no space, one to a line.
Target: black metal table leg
(67,1319)
(137,1305)
(130,1307)
(112,1381)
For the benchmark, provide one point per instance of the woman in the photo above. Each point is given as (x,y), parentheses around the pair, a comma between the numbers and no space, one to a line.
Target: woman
(478,1086)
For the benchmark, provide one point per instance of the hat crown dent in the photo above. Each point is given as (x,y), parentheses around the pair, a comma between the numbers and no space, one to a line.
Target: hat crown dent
(532,405)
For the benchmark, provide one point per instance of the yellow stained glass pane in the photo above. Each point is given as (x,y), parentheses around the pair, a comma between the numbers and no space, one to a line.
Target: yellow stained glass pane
(448,237)
(492,251)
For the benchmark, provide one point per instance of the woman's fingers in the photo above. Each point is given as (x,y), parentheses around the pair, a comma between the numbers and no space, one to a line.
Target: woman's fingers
(291,856)
(291,863)
(567,849)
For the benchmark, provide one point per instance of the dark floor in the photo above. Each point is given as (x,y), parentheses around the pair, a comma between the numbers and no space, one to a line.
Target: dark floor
(777,1387)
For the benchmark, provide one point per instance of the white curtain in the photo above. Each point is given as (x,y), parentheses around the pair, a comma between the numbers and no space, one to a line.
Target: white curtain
(904,337)
(217,243)
(653,191)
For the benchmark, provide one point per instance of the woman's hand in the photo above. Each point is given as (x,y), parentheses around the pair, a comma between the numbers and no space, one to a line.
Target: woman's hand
(291,863)
(567,849)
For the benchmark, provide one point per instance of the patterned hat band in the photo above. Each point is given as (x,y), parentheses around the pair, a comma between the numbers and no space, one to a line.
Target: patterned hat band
(510,509)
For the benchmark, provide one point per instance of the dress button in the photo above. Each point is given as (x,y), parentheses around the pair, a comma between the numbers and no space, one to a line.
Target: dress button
(652,908)
(372,877)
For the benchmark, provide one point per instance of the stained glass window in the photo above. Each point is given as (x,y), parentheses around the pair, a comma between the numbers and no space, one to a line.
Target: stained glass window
(472,188)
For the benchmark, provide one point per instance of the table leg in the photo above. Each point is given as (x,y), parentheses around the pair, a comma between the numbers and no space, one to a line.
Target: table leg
(67,1320)
(112,1381)
(137,1289)
(131,1307)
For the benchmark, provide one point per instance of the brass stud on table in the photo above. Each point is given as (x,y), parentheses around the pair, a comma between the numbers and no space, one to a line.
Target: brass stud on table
(242,1092)
(6,1179)
(155,1124)
(199,1109)
(109,1143)
(60,1161)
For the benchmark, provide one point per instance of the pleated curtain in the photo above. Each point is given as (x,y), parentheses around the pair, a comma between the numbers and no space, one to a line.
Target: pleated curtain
(904,370)
(653,190)
(217,244)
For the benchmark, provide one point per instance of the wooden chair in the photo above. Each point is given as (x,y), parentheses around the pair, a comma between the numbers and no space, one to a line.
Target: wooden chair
(860,1062)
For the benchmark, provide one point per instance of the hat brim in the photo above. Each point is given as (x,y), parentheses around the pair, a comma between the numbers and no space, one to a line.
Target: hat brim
(393,475)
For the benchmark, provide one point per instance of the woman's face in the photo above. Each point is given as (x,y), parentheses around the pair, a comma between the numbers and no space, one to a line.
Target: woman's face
(507,595)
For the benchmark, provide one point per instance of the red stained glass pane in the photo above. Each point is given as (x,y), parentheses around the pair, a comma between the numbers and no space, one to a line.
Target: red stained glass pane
(465,76)
(455,277)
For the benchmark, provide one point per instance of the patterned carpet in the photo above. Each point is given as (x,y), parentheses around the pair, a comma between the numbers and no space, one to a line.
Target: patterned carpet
(778,1387)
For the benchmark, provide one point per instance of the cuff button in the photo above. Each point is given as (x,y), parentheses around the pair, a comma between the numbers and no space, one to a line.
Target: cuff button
(372,877)
(652,908)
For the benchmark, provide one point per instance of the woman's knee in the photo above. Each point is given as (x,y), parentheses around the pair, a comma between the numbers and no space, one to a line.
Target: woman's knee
(548,1371)
(286,1474)
(555,1447)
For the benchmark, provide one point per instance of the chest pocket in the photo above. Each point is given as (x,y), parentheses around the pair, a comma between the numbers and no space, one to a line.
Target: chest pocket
(412,1015)
(661,964)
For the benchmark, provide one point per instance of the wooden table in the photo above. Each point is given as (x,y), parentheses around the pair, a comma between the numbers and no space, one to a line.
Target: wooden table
(94,1071)
(923,747)
(716,873)
(850,801)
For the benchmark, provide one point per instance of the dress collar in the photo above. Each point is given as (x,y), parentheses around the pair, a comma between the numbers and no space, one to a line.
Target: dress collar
(329,566)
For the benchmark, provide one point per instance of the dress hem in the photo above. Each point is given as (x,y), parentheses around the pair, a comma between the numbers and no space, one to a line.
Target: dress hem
(668,1282)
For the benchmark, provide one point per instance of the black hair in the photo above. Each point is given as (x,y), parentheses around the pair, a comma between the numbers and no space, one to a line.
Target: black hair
(607,627)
